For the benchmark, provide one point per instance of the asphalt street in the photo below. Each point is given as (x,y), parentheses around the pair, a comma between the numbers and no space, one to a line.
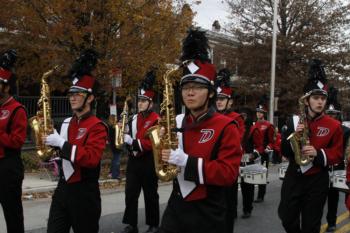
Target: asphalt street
(264,217)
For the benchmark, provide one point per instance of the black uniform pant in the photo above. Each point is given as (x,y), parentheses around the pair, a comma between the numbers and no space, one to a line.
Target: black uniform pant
(11,178)
(276,158)
(333,198)
(201,216)
(303,198)
(140,174)
(231,193)
(76,205)
(262,187)
(247,196)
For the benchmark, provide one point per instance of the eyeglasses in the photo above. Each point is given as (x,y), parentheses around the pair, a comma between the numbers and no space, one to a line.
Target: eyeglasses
(193,88)
(76,94)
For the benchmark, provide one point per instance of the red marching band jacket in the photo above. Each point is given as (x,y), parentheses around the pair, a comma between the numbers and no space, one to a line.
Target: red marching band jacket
(13,126)
(239,120)
(87,139)
(212,142)
(326,136)
(277,144)
(139,126)
(256,137)
(267,130)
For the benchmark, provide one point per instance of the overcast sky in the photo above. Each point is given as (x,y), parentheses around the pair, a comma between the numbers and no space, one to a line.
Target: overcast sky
(208,11)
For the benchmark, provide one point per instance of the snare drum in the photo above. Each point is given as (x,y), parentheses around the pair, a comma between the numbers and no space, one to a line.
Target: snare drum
(339,180)
(246,158)
(252,177)
(282,171)
(254,174)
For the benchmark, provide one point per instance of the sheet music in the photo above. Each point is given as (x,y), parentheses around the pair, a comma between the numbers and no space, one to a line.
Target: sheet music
(68,169)
(306,167)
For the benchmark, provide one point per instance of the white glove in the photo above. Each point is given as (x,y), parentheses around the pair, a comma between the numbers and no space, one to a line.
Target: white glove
(268,150)
(178,157)
(127,139)
(55,140)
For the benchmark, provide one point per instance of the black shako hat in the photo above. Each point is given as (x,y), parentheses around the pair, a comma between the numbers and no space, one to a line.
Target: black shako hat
(317,80)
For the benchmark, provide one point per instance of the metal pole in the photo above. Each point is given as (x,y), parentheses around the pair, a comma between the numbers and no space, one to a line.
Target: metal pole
(273,62)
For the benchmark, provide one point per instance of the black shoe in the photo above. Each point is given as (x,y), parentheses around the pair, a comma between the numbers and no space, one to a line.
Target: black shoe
(246,215)
(152,229)
(130,229)
(259,199)
(330,228)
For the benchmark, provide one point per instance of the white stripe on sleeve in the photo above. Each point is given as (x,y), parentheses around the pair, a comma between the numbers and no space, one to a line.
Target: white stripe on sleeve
(200,170)
(73,152)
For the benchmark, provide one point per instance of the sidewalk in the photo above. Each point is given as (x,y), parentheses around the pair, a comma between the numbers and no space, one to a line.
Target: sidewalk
(37,182)
(36,210)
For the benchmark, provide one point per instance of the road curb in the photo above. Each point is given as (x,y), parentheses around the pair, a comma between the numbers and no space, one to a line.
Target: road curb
(28,192)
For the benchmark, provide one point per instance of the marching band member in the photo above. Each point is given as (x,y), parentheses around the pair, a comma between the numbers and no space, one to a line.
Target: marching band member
(253,147)
(224,102)
(305,186)
(76,201)
(267,131)
(334,111)
(140,172)
(277,157)
(13,130)
(209,151)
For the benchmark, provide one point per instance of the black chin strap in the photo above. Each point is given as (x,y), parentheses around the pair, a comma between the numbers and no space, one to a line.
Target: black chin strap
(205,103)
(148,110)
(81,108)
(317,114)
(225,109)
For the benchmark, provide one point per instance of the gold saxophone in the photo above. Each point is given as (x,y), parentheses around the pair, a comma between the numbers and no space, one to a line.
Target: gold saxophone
(164,170)
(119,130)
(299,140)
(42,123)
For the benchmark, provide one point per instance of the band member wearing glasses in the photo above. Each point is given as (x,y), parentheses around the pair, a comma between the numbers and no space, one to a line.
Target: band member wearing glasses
(76,202)
(209,150)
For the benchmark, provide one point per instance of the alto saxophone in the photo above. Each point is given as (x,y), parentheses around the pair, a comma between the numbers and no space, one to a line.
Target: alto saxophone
(42,123)
(164,170)
(119,130)
(299,140)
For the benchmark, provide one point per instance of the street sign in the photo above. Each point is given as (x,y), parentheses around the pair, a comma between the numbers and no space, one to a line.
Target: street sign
(116,78)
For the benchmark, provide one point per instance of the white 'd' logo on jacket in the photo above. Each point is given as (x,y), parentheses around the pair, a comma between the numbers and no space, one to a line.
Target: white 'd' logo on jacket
(263,127)
(147,123)
(322,131)
(207,134)
(81,133)
(4,114)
